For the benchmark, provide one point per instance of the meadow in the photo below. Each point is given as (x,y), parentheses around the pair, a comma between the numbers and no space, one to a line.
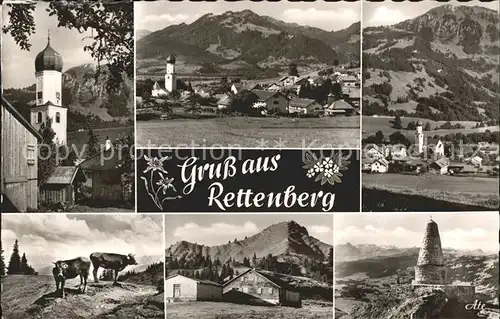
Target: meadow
(478,191)
(224,310)
(383,123)
(328,132)
(33,297)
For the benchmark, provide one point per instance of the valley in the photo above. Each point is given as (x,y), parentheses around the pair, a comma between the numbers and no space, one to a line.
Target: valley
(379,286)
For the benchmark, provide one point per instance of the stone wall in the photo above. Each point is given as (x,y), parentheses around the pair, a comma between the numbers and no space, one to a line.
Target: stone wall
(430,274)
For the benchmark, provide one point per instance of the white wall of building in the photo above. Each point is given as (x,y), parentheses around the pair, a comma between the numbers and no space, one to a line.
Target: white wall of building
(49,83)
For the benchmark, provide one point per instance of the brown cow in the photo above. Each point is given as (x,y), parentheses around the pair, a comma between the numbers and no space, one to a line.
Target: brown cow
(69,269)
(116,262)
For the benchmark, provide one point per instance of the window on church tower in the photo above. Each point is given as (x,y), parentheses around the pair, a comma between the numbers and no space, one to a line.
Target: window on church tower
(39,117)
(38,95)
(58,117)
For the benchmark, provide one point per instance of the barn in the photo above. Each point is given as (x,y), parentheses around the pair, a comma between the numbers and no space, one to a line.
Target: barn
(340,108)
(260,287)
(440,166)
(181,288)
(380,165)
(62,184)
(275,101)
(104,171)
(19,168)
(304,106)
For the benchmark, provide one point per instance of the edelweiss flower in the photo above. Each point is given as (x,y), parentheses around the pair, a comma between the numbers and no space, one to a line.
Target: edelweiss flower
(328,172)
(318,167)
(336,168)
(310,173)
(165,183)
(155,164)
(328,162)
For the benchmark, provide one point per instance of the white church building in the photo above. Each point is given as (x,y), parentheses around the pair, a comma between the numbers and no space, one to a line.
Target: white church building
(434,145)
(48,73)
(170,84)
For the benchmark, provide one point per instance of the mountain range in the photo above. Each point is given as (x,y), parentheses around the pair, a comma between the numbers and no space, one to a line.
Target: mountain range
(286,240)
(350,252)
(244,39)
(441,65)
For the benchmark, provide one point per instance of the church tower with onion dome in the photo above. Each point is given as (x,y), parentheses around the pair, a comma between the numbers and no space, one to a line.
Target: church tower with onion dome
(170,76)
(48,73)
(419,137)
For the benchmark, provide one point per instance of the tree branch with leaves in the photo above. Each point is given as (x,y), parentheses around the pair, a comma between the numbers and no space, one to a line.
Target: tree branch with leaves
(112,32)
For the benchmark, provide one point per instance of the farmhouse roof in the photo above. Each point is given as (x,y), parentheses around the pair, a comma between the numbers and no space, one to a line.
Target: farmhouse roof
(340,105)
(159,85)
(442,162)
(395,147)
(65,175)
(273,280)
(381,161)
(238,85)
(12,110)
(298,102)
(103,161)
(375,147)
(224,100)
(264,95)
(204,282)
(349,78)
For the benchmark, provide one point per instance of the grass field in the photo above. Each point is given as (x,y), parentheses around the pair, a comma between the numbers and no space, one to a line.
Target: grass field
(481,191)
(223,310)
(35,297)
(328,132)
(382,123)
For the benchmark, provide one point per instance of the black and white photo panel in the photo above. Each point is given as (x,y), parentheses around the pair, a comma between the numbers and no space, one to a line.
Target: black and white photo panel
(416,265)
(238,180)
(248,74)
(430,137)
(82,266)
(249,266)
(67,107)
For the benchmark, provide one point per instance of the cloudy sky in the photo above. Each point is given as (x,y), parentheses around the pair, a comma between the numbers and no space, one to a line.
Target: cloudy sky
(388,12)
(328,16)
(18,66)
(458,230)
(217,229)
(49,237)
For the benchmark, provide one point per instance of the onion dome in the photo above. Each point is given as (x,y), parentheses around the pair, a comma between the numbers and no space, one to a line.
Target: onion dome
(419,123)
(48,59)
(171,59)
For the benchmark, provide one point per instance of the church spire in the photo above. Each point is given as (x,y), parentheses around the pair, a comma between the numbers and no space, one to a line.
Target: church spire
(48,37)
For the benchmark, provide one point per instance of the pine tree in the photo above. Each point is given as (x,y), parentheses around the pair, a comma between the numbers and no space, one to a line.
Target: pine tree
(2,263)
(15,260)
(93,147)
(24,264)
(397,122)
(254,260)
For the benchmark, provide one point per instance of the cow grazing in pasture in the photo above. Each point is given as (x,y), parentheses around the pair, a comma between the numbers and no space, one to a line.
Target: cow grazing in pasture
(69,269)
(112,261)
